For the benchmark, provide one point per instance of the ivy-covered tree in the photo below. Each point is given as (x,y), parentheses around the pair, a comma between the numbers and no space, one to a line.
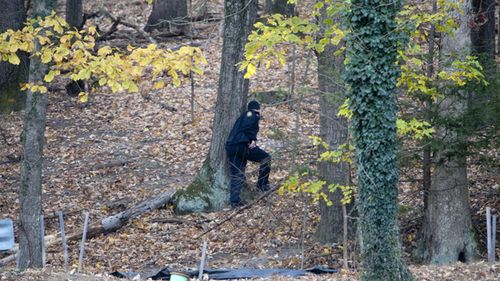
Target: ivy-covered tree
(372,72)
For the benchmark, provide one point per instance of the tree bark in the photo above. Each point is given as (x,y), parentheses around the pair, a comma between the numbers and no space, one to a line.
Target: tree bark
(32,140)
(171,14)
(447,234)
(372,73)
(334,131)
(210,189)
(74,13)
(279,7)
(11,76)
(483,29)
(197,8)
(74,17)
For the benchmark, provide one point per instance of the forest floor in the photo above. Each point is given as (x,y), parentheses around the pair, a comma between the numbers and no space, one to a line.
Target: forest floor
(119,149)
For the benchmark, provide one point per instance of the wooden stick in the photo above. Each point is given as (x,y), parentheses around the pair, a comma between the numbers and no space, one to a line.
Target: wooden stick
(63,240)
(302,236)
(202,263)
(42,237)
(488,232)
(82,245)
(239,210)
(344,236)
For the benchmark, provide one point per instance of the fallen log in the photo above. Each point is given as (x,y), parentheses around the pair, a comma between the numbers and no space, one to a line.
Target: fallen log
(106,225)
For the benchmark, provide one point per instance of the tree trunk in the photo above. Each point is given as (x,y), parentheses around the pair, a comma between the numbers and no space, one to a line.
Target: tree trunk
(171,14)
(197,8)
(279,7)
(74,13)
(334,131)
(11,76)
(447,233)
(483,29)
(210,189)
(32,140)
(74,17)
(372,73)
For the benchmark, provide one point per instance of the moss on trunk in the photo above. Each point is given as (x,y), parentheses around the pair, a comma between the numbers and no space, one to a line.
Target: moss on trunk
(209,191)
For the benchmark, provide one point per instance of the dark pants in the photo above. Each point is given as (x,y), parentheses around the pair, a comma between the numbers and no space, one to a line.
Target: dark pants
(238,155)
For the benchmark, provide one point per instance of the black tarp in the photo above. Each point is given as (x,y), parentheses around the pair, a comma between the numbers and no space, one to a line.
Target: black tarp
(236,273)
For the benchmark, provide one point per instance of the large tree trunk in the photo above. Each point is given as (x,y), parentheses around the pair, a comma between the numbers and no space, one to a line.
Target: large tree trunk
(171,14)
(32,140)
(11,76)
(372,73)
(447,233)
(74,13)
(334,131)
(279,7)
(210,189)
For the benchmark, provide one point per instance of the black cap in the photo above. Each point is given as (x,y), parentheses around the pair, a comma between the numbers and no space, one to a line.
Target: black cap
(253,105)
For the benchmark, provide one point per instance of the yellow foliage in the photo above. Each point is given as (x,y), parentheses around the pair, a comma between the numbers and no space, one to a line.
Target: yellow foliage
(83,97)
(71,54)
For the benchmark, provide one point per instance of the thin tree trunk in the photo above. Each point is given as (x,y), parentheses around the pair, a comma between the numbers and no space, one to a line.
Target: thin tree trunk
(74,13)
(334,131)
(12,98)
(279,7)
(498,37)
(33,138)
(483,29)
(426,165)
(447,232)
(74,17)
(210,189)
(171,14)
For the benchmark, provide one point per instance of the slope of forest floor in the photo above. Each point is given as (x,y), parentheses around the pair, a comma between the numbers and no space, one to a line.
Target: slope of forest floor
(119,149)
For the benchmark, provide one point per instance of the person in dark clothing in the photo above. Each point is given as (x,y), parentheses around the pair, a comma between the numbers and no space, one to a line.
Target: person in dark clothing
(240,147)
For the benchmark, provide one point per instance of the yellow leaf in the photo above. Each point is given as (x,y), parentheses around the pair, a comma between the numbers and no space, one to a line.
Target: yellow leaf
(42,89)
(14,59)
(92,30)
(46,56)
(251,69)
(83,97)
(106,50)
(102,81)
(49,76)
(159,85)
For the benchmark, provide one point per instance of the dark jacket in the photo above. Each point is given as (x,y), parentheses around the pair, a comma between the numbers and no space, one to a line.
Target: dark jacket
(245,129)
